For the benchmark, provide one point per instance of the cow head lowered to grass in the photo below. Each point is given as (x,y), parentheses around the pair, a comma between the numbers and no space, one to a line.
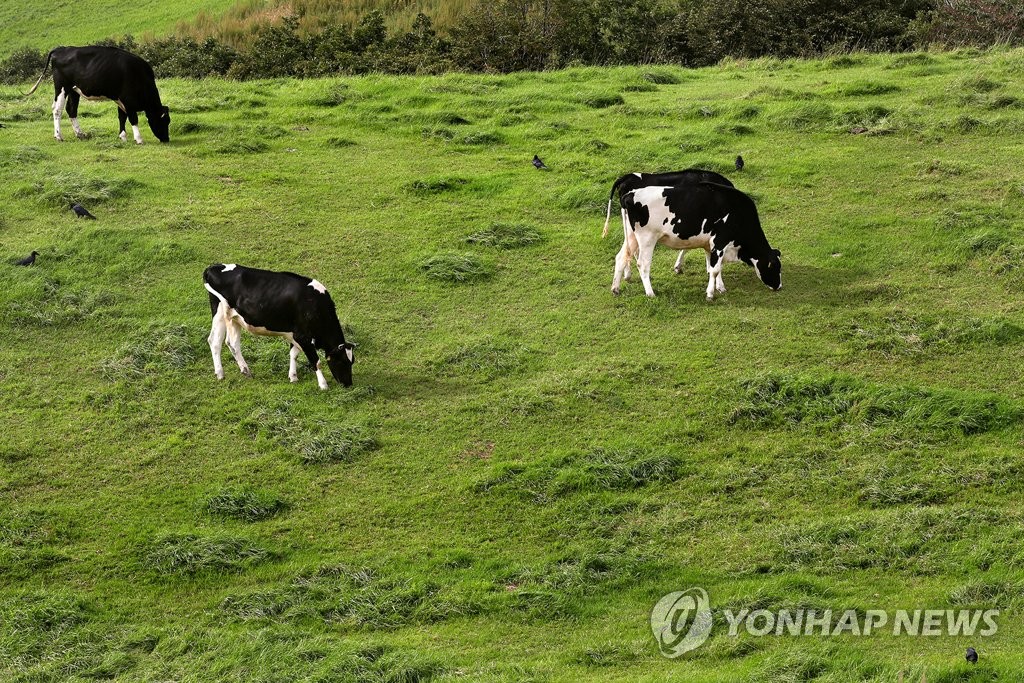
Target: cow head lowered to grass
(105,73)
(276,304)
(719,219)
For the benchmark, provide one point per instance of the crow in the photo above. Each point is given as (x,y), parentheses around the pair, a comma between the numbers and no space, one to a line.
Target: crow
(81,211)
(972,655)
(739,163)
(538,164)
(28,260)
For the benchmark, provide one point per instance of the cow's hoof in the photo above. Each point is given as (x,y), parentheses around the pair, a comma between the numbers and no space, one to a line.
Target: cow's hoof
(720,290)
(710,298)
(615,291)
(58,138)
(247,372)
(220,377)
(138,142)
(122,137)
(677,271)
(294,379)
(651,295)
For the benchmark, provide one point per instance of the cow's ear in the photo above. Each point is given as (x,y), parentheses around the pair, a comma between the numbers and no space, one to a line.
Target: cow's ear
(166,111)
(349,350)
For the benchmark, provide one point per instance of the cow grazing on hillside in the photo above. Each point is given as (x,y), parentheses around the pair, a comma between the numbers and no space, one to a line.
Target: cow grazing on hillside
(633,181)
(98,73)
(719,219)
(285,305)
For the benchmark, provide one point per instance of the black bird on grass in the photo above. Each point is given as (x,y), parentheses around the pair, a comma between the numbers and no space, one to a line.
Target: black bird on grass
(538,164)
(28,260)
(739,163)
(972,655)
(81,211)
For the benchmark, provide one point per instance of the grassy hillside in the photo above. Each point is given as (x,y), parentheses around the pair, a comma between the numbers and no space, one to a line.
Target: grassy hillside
(46,25)
(84,22)
(526,463)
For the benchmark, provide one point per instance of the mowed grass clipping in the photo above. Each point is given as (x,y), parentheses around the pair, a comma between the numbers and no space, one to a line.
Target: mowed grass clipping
(525,463)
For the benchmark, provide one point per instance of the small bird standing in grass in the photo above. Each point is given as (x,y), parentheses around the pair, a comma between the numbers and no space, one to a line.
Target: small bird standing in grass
(539,164)
(739,163)
(28,260)
(81,211)
(972,655)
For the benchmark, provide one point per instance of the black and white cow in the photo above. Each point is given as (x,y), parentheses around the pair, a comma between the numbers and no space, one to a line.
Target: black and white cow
(719,219)
(634,181)
(97,73)
(276,304)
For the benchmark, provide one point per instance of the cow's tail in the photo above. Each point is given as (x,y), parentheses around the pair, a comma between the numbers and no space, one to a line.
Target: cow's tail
(42,75)
(611,196)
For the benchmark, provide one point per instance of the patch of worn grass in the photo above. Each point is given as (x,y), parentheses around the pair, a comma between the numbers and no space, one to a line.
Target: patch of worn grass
(487,359)
(351,598)
(63,188)
(613,469)
(794,400)
(162,348)
(313,444)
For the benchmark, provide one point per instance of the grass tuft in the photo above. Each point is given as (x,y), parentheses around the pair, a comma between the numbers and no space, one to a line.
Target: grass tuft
(506,236)
(246,505)
(65,187)
(189,554)
(456,267)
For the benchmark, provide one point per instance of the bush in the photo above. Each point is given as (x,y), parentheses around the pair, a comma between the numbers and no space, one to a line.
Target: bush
(22,65)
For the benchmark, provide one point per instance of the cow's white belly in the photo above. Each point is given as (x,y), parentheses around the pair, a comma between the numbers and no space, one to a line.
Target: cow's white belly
(701,241)
(236,317)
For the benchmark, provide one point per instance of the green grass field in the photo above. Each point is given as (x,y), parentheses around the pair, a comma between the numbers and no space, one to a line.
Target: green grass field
(526,463)
(47,25)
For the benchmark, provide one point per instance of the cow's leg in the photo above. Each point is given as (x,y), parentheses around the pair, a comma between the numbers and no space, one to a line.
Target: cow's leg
(216,340)
(624,256)
(58,105)
(645,256)
(133,118)
(679,262)
(122,116)
(314,360)
(720,283)
(627,271)
(72,109)
(235,344)
(293,369)
(714,272)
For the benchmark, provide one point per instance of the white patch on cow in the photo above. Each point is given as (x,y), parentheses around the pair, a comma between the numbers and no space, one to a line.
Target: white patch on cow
(78,129)
(351,355)
(725,218)
(730,253)
(678,268)
(320,380)
(315,284)
(757,271)
(123,136)
(58,106)
(137,134)
(638,175)
(229,267)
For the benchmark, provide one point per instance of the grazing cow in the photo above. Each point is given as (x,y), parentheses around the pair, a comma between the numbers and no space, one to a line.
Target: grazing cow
(719,219)
(98,73)
(276,304)
(633,181)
